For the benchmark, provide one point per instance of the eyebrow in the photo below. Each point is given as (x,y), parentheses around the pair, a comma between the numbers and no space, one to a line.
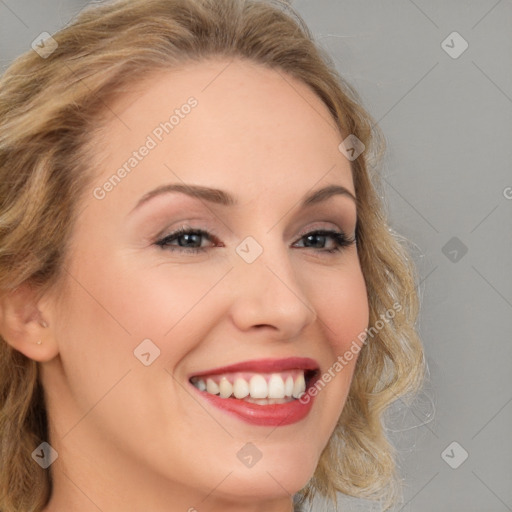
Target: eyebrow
(223,198)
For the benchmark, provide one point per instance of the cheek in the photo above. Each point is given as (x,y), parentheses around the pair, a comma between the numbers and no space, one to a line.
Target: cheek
(109,310)
(120,305)
(141,300)
(341,302)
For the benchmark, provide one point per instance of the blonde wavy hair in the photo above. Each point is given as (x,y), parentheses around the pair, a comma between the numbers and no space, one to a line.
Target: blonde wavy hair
(50,109)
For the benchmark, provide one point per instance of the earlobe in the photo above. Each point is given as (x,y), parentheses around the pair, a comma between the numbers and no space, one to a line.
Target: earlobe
(24,327)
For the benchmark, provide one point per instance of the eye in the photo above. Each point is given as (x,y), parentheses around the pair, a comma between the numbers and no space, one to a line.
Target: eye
(187,240)
(320,238)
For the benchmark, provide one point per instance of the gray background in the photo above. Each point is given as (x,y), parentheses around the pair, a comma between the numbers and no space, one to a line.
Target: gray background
(448,124)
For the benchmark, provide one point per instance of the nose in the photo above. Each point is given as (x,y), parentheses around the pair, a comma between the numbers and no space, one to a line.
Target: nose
(268,293)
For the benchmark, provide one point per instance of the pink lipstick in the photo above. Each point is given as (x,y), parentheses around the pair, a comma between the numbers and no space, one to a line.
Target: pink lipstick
(262,392)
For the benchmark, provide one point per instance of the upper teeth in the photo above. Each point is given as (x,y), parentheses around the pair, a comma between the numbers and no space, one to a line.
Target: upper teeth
(256,385)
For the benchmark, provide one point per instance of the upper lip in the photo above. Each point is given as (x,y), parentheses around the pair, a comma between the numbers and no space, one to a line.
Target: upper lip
(264,366)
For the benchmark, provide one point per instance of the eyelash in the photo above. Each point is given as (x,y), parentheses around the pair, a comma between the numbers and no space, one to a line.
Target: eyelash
(339,238)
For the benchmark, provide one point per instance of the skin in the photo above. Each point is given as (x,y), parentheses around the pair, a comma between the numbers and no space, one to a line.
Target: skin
(132,437)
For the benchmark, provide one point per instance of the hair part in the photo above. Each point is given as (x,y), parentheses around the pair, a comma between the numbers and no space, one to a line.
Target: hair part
(50,111)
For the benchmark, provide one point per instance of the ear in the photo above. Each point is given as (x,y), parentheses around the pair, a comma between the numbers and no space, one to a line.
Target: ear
(24,327)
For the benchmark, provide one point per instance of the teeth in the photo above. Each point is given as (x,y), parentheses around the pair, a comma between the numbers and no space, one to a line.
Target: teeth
(275,387)
(258,387)
(240,388)
(268,401)
(261,388)
(212,387)
(299,386)
(225,388)
(200,384)
(288,386)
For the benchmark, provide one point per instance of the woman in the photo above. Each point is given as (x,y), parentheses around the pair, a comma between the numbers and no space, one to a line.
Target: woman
(203,307)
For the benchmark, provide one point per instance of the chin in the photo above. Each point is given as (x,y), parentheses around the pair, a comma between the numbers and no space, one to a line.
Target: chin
(263,486)
(278,473)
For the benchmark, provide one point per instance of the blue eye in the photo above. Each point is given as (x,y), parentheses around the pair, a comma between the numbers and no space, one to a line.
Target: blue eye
(191,241)
(188,240)
(317,240)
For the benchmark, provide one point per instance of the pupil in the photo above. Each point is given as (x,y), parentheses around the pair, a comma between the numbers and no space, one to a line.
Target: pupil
(320,240)
(189,239)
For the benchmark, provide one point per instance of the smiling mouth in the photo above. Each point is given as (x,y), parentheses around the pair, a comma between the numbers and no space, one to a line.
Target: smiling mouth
(257,388)
(263,392)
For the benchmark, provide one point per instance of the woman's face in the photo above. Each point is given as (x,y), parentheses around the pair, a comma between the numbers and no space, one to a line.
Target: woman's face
(251,305)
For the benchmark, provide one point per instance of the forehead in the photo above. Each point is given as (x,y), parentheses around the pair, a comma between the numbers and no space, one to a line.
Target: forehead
(249,126)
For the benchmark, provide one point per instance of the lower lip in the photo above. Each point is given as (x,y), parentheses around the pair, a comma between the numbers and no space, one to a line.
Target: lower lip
(274,415)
